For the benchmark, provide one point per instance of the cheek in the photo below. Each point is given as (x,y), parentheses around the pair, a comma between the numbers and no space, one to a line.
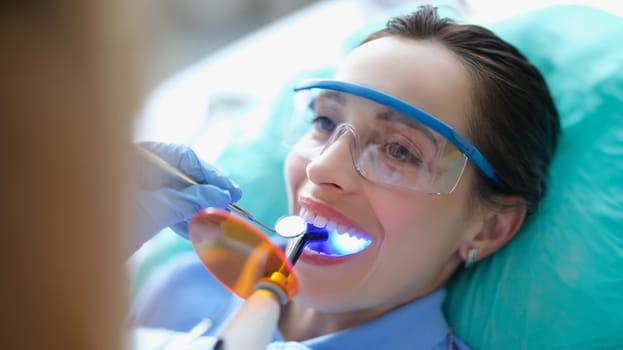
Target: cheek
(412,229)
(435,220)
(427,223)
(422,233)
(295,175)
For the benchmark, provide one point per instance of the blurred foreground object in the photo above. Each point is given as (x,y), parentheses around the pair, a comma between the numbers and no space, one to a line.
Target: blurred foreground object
(69,88)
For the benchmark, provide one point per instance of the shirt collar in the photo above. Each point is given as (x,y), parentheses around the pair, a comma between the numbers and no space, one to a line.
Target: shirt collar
(419,324)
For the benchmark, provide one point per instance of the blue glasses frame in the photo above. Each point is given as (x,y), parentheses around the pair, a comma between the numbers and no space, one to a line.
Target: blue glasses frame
(458,140)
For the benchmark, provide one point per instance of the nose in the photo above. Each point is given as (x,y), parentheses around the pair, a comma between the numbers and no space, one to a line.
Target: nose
(334,166)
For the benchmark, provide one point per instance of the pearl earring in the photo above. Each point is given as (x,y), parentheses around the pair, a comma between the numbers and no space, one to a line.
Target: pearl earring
(471,257)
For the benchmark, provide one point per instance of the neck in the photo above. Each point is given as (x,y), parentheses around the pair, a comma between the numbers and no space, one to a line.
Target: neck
(298,322)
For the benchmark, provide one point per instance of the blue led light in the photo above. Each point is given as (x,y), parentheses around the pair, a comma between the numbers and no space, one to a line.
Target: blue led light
(345,244)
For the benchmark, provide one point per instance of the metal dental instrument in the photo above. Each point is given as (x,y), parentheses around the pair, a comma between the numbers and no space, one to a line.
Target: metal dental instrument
(154,159)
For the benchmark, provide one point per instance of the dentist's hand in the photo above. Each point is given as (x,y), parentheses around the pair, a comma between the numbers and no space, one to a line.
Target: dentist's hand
(164,200)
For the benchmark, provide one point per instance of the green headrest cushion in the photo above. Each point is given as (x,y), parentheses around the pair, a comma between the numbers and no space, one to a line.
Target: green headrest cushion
(559,283)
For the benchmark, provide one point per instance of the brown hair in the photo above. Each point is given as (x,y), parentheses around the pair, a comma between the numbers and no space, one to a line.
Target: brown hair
(514,122)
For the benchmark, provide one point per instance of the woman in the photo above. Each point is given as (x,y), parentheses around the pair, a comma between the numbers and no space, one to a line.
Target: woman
(428,149)
(467,78)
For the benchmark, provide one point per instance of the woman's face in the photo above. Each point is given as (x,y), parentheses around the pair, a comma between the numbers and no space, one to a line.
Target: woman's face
(415,237)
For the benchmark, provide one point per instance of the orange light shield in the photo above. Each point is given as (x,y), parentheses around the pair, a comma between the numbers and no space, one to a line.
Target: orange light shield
(238,254)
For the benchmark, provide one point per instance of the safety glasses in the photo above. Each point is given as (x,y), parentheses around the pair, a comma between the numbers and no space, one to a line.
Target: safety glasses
(390,141)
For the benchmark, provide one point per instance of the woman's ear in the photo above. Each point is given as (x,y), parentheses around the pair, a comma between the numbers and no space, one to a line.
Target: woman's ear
(499,225)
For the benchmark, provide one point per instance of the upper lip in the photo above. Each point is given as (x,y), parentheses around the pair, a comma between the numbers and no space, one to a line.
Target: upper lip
(328,212)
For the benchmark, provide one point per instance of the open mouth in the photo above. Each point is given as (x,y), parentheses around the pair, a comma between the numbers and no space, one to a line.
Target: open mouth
(342,240)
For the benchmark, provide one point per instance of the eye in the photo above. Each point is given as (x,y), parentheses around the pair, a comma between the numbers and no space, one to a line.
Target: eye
(402,153)
(324,124)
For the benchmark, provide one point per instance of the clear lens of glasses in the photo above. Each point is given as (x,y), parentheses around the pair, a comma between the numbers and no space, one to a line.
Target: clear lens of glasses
(386,146)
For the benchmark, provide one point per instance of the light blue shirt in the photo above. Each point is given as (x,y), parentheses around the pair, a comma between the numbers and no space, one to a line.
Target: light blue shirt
(183,293)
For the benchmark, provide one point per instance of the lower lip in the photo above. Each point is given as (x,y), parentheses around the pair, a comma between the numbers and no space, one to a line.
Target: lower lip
(312,258)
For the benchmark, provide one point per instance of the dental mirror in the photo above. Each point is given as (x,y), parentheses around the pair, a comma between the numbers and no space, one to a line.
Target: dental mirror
(290,226)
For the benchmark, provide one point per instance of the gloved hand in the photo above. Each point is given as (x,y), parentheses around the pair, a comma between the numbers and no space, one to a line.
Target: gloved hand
(164,200)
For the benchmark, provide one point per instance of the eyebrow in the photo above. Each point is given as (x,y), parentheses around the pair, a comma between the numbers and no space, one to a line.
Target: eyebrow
(390,115)
(332,95)
(387,114)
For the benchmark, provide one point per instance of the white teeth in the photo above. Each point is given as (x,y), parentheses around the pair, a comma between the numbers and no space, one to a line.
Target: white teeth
(331,225)
(320,221)
(323,222)
(341,228)
(307,215)
(319,252)
(342,241)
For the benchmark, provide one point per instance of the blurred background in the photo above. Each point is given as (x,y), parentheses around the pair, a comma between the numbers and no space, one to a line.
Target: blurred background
(184,31)
(205,59)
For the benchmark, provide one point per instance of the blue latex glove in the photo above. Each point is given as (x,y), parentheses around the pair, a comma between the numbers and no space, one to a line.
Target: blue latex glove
(164,200)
